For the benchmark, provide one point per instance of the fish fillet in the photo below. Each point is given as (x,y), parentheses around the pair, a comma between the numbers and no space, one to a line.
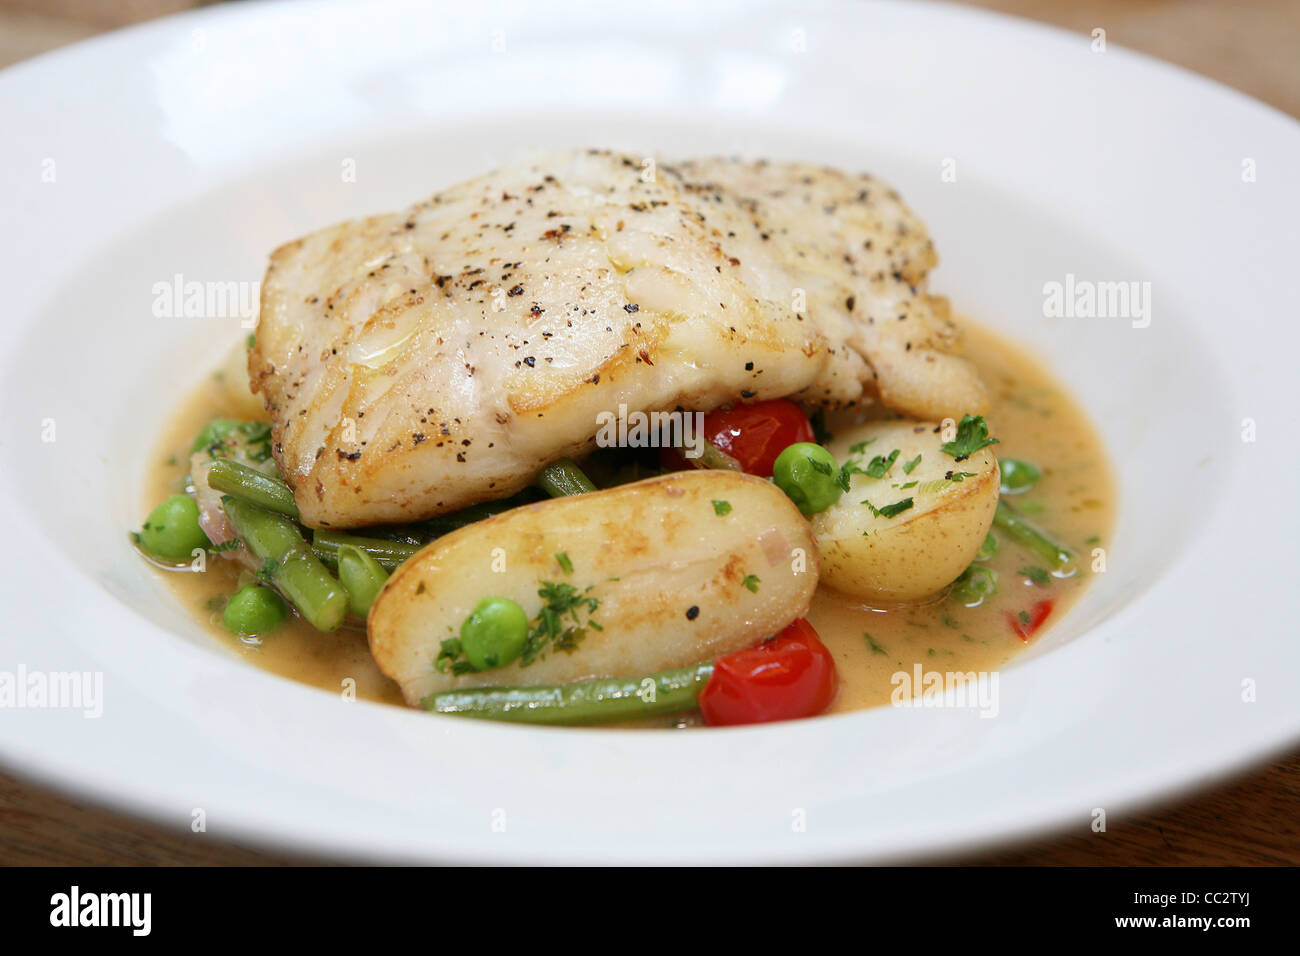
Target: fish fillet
(418,362)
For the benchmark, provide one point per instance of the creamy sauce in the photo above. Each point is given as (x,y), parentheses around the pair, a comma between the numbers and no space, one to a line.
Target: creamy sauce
(1031,415)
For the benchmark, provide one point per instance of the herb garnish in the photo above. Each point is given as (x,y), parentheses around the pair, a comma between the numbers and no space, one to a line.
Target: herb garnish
(907,468)
(563,558)
(751,581)
(871,642)
(889,511)
(721,508)
(972,435)
(550,629)
(450,654)
(881,464)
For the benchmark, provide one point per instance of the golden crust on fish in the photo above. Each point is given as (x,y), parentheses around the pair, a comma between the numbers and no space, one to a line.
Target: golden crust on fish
(418,362)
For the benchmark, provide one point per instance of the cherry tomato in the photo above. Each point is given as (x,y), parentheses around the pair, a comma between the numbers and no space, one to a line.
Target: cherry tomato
(752,434)
(1037,615)
(789,676)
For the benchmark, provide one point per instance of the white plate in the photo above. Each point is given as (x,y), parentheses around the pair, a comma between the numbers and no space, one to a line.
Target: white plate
(194,145)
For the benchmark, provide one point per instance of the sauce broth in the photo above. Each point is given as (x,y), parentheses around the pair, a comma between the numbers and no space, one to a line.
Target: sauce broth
(1031,415)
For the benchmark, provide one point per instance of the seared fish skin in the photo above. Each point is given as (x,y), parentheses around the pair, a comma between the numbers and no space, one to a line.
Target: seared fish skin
(418,362)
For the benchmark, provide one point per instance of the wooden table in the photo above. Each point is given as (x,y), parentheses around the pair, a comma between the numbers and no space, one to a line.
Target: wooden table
(1250,45)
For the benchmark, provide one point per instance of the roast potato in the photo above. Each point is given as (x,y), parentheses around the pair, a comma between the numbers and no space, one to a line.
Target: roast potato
(886,558)
(682,567)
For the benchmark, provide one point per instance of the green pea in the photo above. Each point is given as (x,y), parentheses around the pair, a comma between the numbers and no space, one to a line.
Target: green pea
(361,576)
(809,475)
(1018,475)
(494,634)
(974,585)
(172,530)
(213,433)
(988,548)
(254,610)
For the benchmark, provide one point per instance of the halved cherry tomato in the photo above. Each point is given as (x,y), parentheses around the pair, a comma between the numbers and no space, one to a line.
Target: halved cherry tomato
(752,434)
(789,676)
(1037,615)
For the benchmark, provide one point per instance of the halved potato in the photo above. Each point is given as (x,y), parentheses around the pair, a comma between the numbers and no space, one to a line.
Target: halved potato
(887,558)
(682,568)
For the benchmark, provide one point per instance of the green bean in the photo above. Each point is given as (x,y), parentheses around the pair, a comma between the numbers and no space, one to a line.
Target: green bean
(586,702)
(389,554)
(1020,530)
(172,529)
(443,524)
(293,568)
(361,576)
(809,475)
(495,634)
(562,478)
(974,585)
(254,610)
(249,484)
(1018,475)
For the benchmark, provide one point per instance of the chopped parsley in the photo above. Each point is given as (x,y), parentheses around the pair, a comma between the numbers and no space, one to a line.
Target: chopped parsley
(721,508)
(846,474)
(558,624)
(563,558)
(451,654)
(889,511)
(972,435)
(881,464)
(223,438)
(871,643)
(751,581)
(860,447)
(907,467)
